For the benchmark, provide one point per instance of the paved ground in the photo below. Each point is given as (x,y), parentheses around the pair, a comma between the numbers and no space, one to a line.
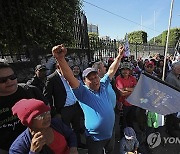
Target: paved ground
(163,148)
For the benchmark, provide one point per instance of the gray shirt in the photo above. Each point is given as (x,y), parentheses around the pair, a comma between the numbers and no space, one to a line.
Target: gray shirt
(173,80)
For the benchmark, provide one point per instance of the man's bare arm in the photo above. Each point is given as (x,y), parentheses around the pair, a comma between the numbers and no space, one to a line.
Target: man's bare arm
(59,53)
(114,66)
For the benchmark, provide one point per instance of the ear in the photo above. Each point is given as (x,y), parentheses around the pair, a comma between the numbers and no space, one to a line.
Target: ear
(84,80)
(99,70)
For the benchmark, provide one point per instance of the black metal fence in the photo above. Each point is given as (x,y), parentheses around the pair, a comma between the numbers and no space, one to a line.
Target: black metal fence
(103,49)
(92,49)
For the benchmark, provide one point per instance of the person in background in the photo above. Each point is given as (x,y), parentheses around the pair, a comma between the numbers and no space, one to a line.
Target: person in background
(63,102)
(77,72)
(43,135)
(125,84)
(140,64)
(94,101)
(169,63)
(101,70)
(132,58)
(156,57)
(149,67)
(136,70)
(159,68)
(173,77)
(173,120)
(129,142)
(50,64)
(10,93)
(109,62)
(39,78)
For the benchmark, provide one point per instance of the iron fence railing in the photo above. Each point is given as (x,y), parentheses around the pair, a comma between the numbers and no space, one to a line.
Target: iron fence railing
(103,49)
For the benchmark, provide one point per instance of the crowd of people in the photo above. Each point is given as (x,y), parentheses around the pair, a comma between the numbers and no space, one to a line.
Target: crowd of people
(52,111)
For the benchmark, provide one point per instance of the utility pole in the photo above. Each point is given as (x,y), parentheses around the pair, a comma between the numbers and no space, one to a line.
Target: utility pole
(154,27)
(141,22)
(167,39)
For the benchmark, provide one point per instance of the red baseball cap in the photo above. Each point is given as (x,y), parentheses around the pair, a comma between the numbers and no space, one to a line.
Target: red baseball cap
(149,63)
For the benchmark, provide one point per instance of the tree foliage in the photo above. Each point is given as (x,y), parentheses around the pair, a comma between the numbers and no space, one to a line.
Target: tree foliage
(158,40)
(40,23)
(94,40)
(139,37)
(93,35)
(174,36)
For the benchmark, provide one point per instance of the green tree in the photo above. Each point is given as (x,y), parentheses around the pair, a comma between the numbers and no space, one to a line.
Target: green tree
(40,23)
(174,35)
(93,35)
(94,40)
(158,40)
(139,37)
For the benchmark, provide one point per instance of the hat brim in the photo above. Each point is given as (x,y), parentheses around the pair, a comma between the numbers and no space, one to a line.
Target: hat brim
(125,68)
(41,69)
(128,138)
(91,72)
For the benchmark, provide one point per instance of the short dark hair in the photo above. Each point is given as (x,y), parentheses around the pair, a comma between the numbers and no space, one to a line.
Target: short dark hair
(97,65)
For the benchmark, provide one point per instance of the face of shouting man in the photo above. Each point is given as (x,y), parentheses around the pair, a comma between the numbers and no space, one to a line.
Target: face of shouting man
(92,81)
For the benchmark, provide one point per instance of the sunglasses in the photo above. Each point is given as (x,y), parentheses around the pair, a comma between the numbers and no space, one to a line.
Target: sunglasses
(11,77)
(42,116)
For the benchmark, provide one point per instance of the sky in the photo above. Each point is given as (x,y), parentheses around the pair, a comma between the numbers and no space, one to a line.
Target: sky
(115,18)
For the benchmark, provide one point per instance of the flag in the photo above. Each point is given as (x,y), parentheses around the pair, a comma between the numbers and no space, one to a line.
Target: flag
(155,95)
(126,46)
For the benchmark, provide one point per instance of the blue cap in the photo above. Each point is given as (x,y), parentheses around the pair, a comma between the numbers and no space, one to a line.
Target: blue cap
(129,133)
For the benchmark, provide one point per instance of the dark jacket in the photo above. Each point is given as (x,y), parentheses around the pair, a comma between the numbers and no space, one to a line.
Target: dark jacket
(23,142)
(173,125)
(55,92)
(35,81)
(10,127)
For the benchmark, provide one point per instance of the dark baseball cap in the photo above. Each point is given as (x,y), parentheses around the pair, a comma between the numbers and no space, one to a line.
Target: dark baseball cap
(87,71)
(126,65)
(40,67)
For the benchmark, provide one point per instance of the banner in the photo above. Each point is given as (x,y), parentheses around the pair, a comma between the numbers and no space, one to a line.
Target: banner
(155,95)
(126,46)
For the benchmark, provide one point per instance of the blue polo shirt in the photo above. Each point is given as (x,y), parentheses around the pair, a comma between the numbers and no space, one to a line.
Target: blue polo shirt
(112,95)
(98,110)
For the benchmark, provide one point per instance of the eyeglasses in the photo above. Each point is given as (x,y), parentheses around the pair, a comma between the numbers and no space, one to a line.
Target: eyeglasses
(42,116)
(11,77)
